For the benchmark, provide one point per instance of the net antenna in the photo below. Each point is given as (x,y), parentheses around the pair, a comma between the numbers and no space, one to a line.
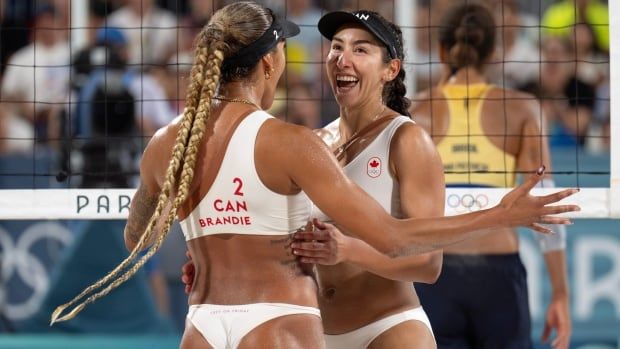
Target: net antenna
(614,81)
(404,17)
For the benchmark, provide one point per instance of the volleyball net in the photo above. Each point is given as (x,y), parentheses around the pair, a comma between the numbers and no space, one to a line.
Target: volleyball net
(75,118)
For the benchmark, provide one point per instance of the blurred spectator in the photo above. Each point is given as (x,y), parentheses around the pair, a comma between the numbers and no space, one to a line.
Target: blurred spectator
(567,101)
(105,109)
(152,108)
(180,63)
(592,65)
(598,133)
(3,133)
(304,50)
(97,65)
(151,31)
(98,13)
(199,13)
(593,69)
(63,17)
(14,28)
(300,109)
(517,58)
(335,5)
(109,48)
(306,15)
(427,67)
(385,8)
(174,80)
(559,19)
(35,83)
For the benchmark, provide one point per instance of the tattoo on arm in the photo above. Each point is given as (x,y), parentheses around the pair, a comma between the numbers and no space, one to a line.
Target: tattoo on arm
(142,207)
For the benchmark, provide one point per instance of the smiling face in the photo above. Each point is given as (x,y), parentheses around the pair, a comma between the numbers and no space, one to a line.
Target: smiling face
(355,66)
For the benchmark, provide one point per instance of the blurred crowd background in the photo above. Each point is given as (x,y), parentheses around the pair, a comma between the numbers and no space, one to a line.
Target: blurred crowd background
(147,49)
(79,117)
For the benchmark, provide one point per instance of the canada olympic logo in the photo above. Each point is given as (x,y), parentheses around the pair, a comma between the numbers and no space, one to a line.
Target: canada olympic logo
(467,202)
(373,167)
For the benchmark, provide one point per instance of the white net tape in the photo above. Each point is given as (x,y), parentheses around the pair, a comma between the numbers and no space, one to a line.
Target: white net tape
(35,204)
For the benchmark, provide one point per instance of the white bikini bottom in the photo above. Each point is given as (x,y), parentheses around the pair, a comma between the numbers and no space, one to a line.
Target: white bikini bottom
(223,326)
(363,336)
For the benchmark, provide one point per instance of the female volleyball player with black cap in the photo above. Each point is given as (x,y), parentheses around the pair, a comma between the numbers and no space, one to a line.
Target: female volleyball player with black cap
(369,302)
(237,178)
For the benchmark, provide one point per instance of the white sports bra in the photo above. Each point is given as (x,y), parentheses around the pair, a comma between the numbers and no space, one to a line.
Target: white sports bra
(238,202)
(370,170)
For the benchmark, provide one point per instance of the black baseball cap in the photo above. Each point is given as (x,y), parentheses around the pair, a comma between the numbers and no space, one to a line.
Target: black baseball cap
(280,29)
(331,22)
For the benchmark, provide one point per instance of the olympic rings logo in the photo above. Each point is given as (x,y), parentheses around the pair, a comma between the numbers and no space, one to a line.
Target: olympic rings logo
(21,266)
(467,202)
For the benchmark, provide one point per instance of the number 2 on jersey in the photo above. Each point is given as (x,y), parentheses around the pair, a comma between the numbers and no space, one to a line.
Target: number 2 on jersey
(239,183)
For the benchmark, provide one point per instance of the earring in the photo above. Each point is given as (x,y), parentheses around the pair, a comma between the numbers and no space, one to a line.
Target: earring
(268,73)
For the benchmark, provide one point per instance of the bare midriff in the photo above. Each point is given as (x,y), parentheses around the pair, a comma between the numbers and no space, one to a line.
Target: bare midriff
(233,269)
(350,297)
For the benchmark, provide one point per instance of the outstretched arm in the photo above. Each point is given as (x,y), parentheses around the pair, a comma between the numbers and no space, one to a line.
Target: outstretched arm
(312,167)
(423,268)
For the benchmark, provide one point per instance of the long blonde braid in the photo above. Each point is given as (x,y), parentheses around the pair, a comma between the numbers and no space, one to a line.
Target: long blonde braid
(211,50)
(178,154)
(187,173)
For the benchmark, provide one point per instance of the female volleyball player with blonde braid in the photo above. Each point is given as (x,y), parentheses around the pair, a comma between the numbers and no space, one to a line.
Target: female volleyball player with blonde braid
(240,175)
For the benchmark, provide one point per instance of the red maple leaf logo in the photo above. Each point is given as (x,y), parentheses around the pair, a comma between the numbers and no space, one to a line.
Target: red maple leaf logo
(374,163)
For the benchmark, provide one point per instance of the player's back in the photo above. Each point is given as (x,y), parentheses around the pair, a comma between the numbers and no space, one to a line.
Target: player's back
(235,225)
(478,131)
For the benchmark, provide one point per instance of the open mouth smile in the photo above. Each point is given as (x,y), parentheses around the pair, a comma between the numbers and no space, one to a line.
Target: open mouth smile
(345,83)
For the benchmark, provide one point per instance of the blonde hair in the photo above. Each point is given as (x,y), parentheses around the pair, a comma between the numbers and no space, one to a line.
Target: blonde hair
(230,28)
